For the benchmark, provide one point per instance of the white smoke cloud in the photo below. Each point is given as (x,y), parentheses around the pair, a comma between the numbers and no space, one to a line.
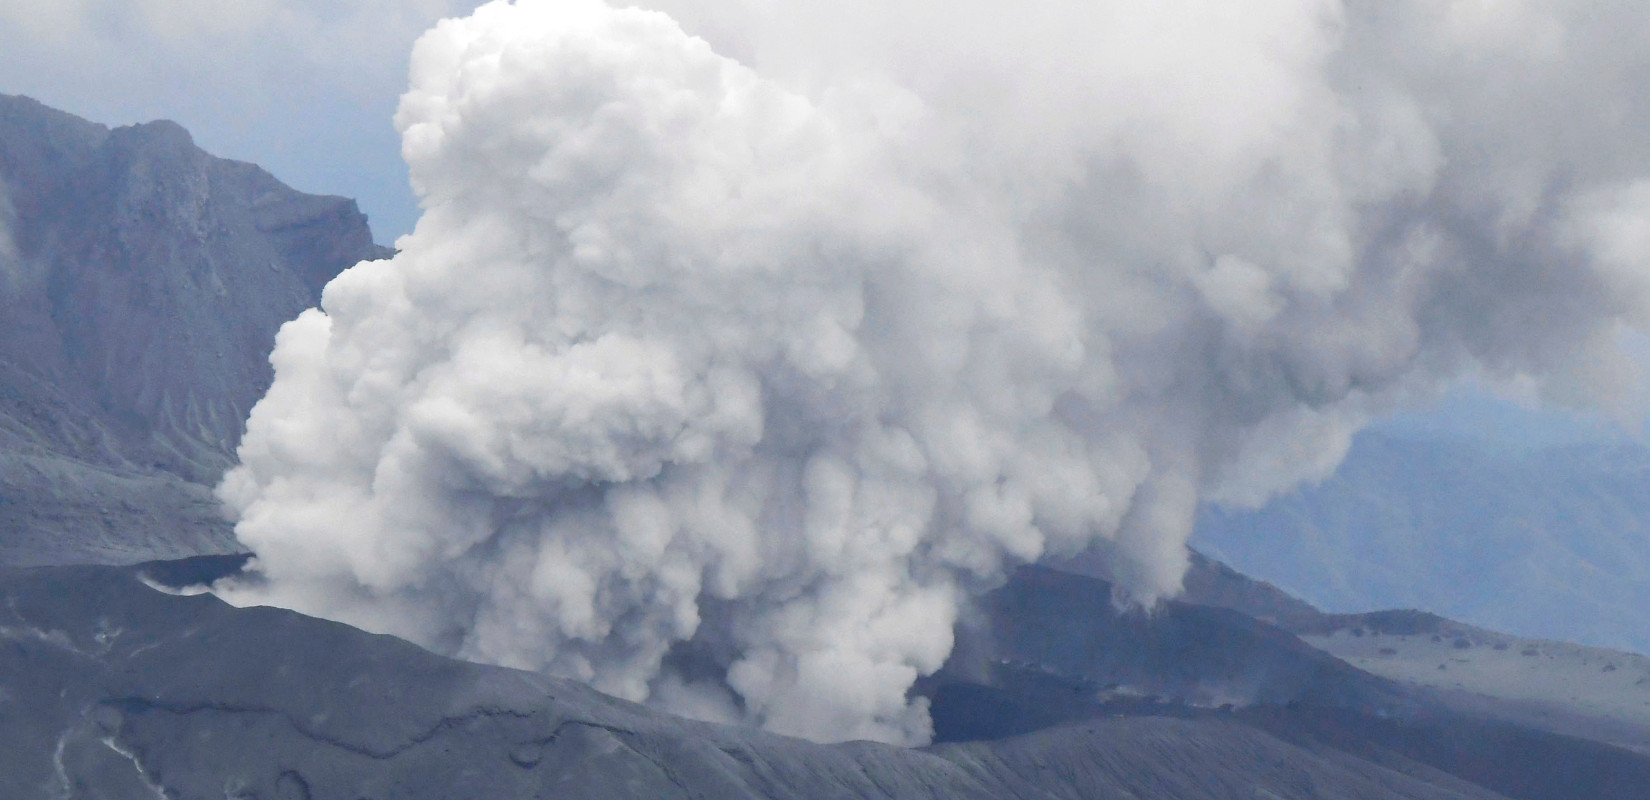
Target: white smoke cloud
(769,362)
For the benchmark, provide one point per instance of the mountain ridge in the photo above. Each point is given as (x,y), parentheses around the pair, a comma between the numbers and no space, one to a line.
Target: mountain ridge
(142,280)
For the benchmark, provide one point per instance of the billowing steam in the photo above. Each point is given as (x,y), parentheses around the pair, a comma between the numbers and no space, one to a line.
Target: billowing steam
(780,357)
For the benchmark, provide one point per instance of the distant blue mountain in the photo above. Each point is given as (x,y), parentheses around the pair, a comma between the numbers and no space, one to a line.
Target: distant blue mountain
(1542,541)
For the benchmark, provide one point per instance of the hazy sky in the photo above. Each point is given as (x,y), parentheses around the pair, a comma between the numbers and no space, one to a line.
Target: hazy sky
(305,88)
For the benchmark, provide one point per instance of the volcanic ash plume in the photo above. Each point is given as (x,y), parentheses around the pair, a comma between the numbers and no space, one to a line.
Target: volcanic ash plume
(721,383)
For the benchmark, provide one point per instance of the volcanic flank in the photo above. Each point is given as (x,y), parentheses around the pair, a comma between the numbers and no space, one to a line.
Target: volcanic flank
(141,284)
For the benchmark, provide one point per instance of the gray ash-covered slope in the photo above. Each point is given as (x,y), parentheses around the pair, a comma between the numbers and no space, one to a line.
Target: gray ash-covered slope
(1589,692)
(110,689)
(1585,691)
(142,281)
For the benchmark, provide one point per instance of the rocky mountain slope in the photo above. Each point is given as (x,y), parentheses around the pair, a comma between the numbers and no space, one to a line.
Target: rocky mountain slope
(112,689)
(116,683)
(1590,692)
(1050,648)
(141,283)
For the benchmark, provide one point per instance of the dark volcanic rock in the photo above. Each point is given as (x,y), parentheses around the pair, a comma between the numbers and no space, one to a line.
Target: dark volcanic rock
(1183,651)
(142,281)
(1051,650)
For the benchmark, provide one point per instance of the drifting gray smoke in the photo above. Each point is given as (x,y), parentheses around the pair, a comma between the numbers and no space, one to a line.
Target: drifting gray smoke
(795,351)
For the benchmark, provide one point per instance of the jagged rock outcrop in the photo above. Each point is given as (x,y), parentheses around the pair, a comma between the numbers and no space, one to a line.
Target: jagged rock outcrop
(142,281)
